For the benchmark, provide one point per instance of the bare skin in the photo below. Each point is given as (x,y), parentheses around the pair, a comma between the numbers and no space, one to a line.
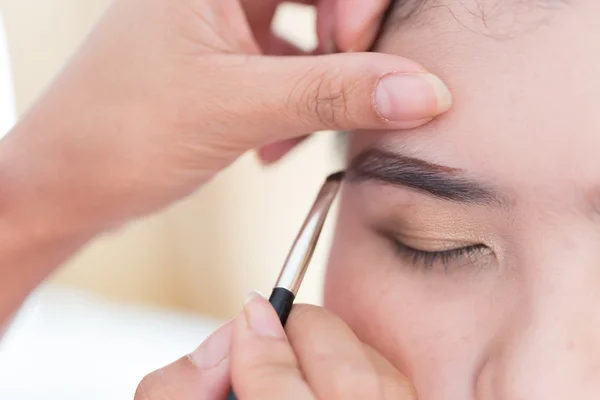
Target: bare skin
(516,316)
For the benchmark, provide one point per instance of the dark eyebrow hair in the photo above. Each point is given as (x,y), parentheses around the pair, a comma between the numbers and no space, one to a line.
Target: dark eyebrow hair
(437,180)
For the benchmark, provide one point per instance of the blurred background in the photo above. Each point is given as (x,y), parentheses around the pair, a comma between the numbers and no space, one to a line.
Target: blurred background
(146,295)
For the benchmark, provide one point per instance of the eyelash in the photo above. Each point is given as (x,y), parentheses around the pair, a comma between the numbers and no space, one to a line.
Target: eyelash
(427,259)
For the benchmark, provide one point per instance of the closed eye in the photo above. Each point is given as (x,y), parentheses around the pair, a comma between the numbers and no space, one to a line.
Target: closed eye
(427,260)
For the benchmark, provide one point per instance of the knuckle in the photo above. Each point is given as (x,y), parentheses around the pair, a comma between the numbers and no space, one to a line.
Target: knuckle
(151,388)
(143,390)
(264,372)
(324,95)
(305,314)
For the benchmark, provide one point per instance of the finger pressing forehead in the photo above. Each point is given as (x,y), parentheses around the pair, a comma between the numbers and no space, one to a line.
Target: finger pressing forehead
(351,24)
(357,22)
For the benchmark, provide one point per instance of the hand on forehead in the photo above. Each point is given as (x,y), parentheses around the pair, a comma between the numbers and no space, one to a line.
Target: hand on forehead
(346,25)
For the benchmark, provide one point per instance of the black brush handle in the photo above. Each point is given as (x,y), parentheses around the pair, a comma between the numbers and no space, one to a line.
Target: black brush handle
(282,301)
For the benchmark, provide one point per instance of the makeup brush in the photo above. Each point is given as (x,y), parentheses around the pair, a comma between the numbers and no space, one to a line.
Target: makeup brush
(293,271)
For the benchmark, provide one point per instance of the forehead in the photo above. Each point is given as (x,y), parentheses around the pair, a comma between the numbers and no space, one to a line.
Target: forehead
(525,85)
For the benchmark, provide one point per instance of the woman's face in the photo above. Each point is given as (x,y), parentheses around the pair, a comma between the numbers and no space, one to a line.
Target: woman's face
(468,250)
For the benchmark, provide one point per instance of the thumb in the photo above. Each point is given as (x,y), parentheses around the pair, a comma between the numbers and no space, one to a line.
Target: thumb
(278,98)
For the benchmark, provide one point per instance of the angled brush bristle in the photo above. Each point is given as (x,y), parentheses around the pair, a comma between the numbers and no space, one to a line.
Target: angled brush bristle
(337,177)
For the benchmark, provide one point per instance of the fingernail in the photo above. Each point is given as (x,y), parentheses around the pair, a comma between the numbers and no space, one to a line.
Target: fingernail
(411,97)
(214,350)
(261,316)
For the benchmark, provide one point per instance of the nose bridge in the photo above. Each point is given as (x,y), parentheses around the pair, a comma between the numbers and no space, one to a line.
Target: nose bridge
(551,346)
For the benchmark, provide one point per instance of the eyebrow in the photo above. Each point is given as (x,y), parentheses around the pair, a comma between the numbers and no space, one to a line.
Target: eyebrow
(443,182)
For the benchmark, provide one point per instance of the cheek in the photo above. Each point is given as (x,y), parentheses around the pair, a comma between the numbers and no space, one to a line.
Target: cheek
(433,329)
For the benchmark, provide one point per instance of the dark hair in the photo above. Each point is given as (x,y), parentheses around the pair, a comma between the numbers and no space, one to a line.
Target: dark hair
(403,12)
(398,11)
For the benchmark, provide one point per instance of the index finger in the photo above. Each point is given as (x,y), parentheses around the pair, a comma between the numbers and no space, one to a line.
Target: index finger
(357,22)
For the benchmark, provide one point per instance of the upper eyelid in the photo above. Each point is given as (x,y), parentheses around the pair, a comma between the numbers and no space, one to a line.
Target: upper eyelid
(452,244)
